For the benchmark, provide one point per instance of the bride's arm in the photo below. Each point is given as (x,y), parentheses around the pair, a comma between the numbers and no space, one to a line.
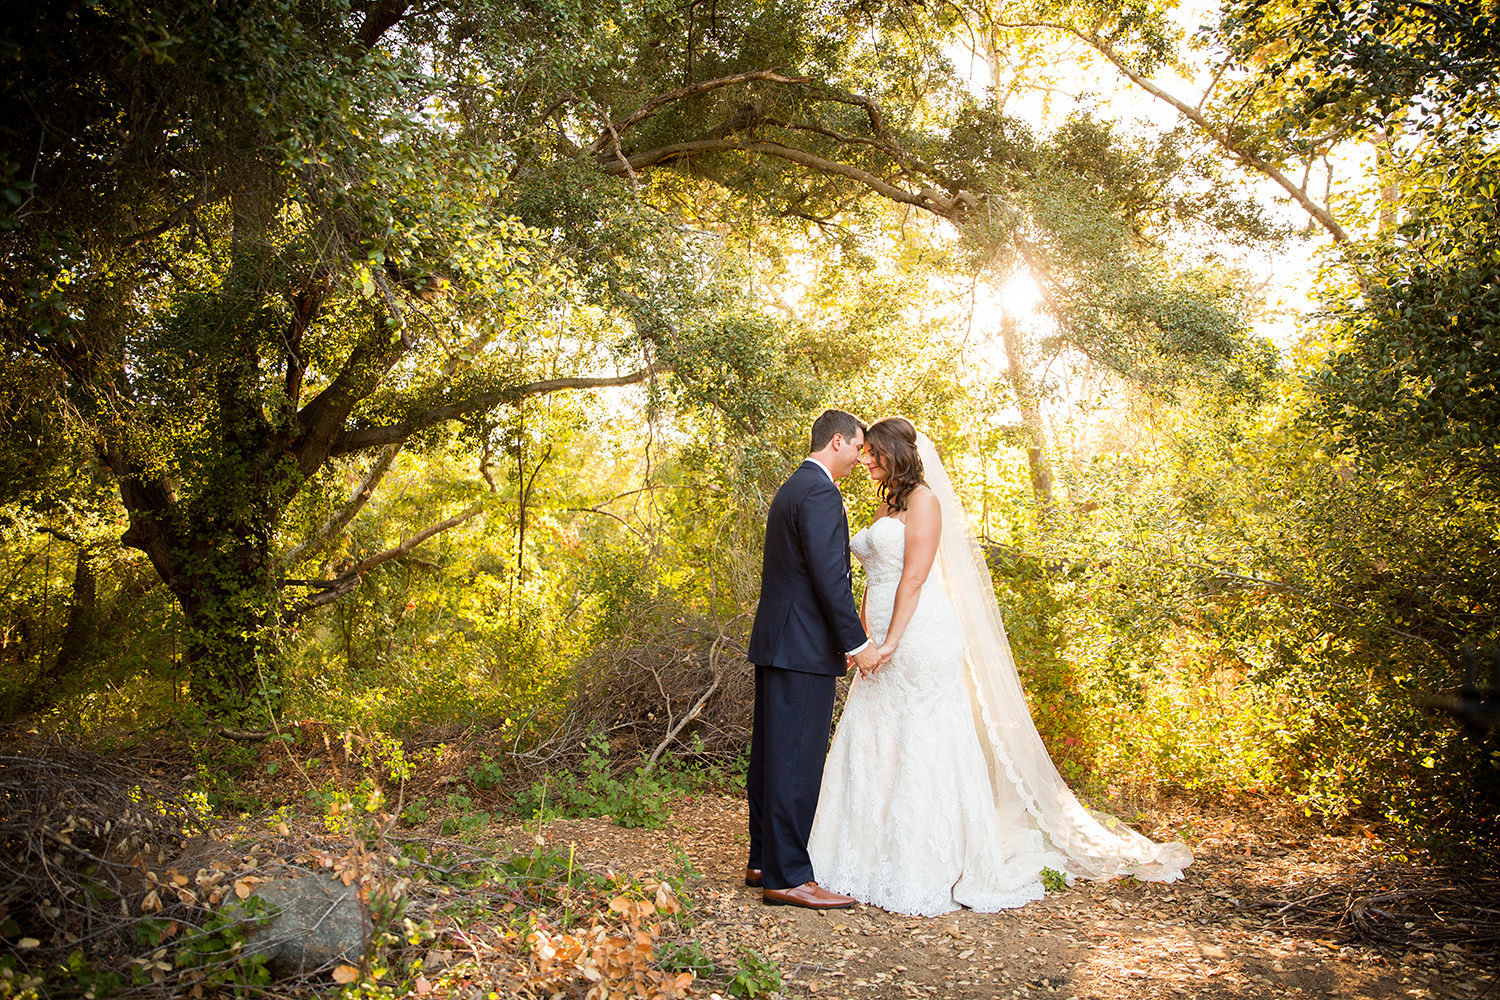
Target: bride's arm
(924,525)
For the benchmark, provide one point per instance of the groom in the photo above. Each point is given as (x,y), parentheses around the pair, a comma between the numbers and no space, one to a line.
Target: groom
(806,631)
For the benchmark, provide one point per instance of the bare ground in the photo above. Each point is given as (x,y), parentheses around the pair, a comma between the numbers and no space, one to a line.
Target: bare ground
(1273,905)
(1228,929)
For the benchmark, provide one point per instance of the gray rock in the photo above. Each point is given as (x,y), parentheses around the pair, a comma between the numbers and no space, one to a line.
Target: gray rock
(308,924)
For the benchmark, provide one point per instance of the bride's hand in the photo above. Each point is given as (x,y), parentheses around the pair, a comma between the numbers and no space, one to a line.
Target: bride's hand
(882,657)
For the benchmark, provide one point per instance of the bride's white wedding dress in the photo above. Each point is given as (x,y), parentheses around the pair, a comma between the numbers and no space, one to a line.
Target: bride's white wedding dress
(905,818)
(938,792)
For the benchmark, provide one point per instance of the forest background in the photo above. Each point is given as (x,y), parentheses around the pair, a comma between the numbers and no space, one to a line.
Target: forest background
(428,369)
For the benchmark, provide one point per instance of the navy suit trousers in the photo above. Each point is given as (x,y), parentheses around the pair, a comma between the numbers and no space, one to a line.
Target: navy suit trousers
(793,718)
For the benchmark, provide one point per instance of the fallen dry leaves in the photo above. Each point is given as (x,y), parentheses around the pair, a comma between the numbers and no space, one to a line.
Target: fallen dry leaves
(1202,937)
(616,953)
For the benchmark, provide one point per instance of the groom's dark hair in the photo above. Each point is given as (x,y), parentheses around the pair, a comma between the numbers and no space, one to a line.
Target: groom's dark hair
(831,422)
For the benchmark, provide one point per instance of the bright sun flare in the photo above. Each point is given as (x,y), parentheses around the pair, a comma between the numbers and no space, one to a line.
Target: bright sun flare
(1020,296)
(1017,299)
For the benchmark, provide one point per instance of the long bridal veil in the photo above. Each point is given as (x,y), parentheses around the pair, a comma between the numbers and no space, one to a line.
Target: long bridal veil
(1022,774)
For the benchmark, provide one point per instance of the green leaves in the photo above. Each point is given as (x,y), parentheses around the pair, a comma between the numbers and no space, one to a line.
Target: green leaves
(1415,365)
(1357,67)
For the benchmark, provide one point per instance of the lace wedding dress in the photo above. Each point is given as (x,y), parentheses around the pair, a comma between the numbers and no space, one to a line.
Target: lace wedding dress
(938,792)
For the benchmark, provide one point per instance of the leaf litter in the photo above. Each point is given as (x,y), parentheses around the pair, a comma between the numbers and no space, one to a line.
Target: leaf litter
(1253,917)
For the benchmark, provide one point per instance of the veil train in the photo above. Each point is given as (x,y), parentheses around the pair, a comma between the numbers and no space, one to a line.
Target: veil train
(1096,845)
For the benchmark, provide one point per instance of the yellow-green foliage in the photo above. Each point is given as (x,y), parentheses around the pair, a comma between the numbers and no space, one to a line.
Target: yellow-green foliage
(1235,613)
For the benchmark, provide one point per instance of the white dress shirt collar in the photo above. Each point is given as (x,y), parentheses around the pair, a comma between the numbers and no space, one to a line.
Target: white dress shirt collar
(825,469)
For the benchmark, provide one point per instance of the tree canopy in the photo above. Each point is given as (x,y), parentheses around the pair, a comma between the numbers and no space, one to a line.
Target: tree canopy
(386,357)
(252,241)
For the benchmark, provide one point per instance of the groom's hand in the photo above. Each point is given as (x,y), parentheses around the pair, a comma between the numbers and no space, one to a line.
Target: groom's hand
(869,660)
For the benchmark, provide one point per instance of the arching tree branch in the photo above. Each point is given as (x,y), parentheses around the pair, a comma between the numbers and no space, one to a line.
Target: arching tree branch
(1195,115)
(378,436)
(380,17)
(955,207)
(607,139)
(332,590)
(339,521)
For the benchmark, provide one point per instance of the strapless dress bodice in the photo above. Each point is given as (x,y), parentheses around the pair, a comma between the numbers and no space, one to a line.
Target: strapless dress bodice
(880,548)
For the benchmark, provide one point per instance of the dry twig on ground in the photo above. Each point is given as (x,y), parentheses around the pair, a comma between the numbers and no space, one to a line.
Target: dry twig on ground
(1411,907)
(670,680)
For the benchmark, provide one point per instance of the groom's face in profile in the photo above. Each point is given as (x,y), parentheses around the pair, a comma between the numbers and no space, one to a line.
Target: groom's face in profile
(846,453)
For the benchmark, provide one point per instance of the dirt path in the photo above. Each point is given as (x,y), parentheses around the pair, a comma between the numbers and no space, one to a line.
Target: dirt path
(1195,938)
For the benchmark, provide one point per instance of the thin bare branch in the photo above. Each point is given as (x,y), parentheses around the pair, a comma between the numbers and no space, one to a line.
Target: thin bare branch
(174,219)
(609,513)
(614,145)
(612,136)
(332,590)
(341,520)
(692,713)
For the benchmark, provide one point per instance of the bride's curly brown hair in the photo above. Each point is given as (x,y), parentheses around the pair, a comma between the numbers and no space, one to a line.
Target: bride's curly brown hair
(893,442)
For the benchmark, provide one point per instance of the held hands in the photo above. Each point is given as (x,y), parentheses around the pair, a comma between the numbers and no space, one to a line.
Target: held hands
(871,658)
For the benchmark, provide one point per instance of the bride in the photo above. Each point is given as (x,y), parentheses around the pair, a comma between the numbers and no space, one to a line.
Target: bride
(938,792)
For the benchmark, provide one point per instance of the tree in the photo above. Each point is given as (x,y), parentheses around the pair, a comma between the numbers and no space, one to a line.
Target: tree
(251,242)
(255,242)
(1290,83)
(1413,374)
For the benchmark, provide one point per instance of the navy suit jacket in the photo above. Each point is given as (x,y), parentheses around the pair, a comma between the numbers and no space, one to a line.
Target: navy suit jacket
(806,620)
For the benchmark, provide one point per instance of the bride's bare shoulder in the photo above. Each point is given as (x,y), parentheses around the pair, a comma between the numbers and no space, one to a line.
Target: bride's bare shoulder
(923,503)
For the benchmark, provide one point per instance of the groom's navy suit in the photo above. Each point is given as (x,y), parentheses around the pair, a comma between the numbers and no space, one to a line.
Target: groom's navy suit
(804,625)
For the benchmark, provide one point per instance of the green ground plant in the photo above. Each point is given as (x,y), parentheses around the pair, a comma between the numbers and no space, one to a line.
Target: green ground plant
(416,812)
(488,773)
(1054,880)
(463,819)
(754,976)
(639,798)
(688,956)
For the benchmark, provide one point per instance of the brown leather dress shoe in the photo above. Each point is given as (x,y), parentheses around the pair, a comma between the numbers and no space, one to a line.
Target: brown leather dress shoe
(809,894)
(753,877)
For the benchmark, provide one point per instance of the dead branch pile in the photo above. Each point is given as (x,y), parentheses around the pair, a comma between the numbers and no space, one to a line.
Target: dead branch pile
(75,831)
(1407,907)
(110,872)
(112,882)
(674,682)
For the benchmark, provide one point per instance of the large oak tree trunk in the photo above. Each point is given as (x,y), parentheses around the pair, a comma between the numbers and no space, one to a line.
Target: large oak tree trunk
(214,555)
(228,601)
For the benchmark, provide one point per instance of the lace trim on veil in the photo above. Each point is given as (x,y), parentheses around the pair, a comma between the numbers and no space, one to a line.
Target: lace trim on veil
(1095,844)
